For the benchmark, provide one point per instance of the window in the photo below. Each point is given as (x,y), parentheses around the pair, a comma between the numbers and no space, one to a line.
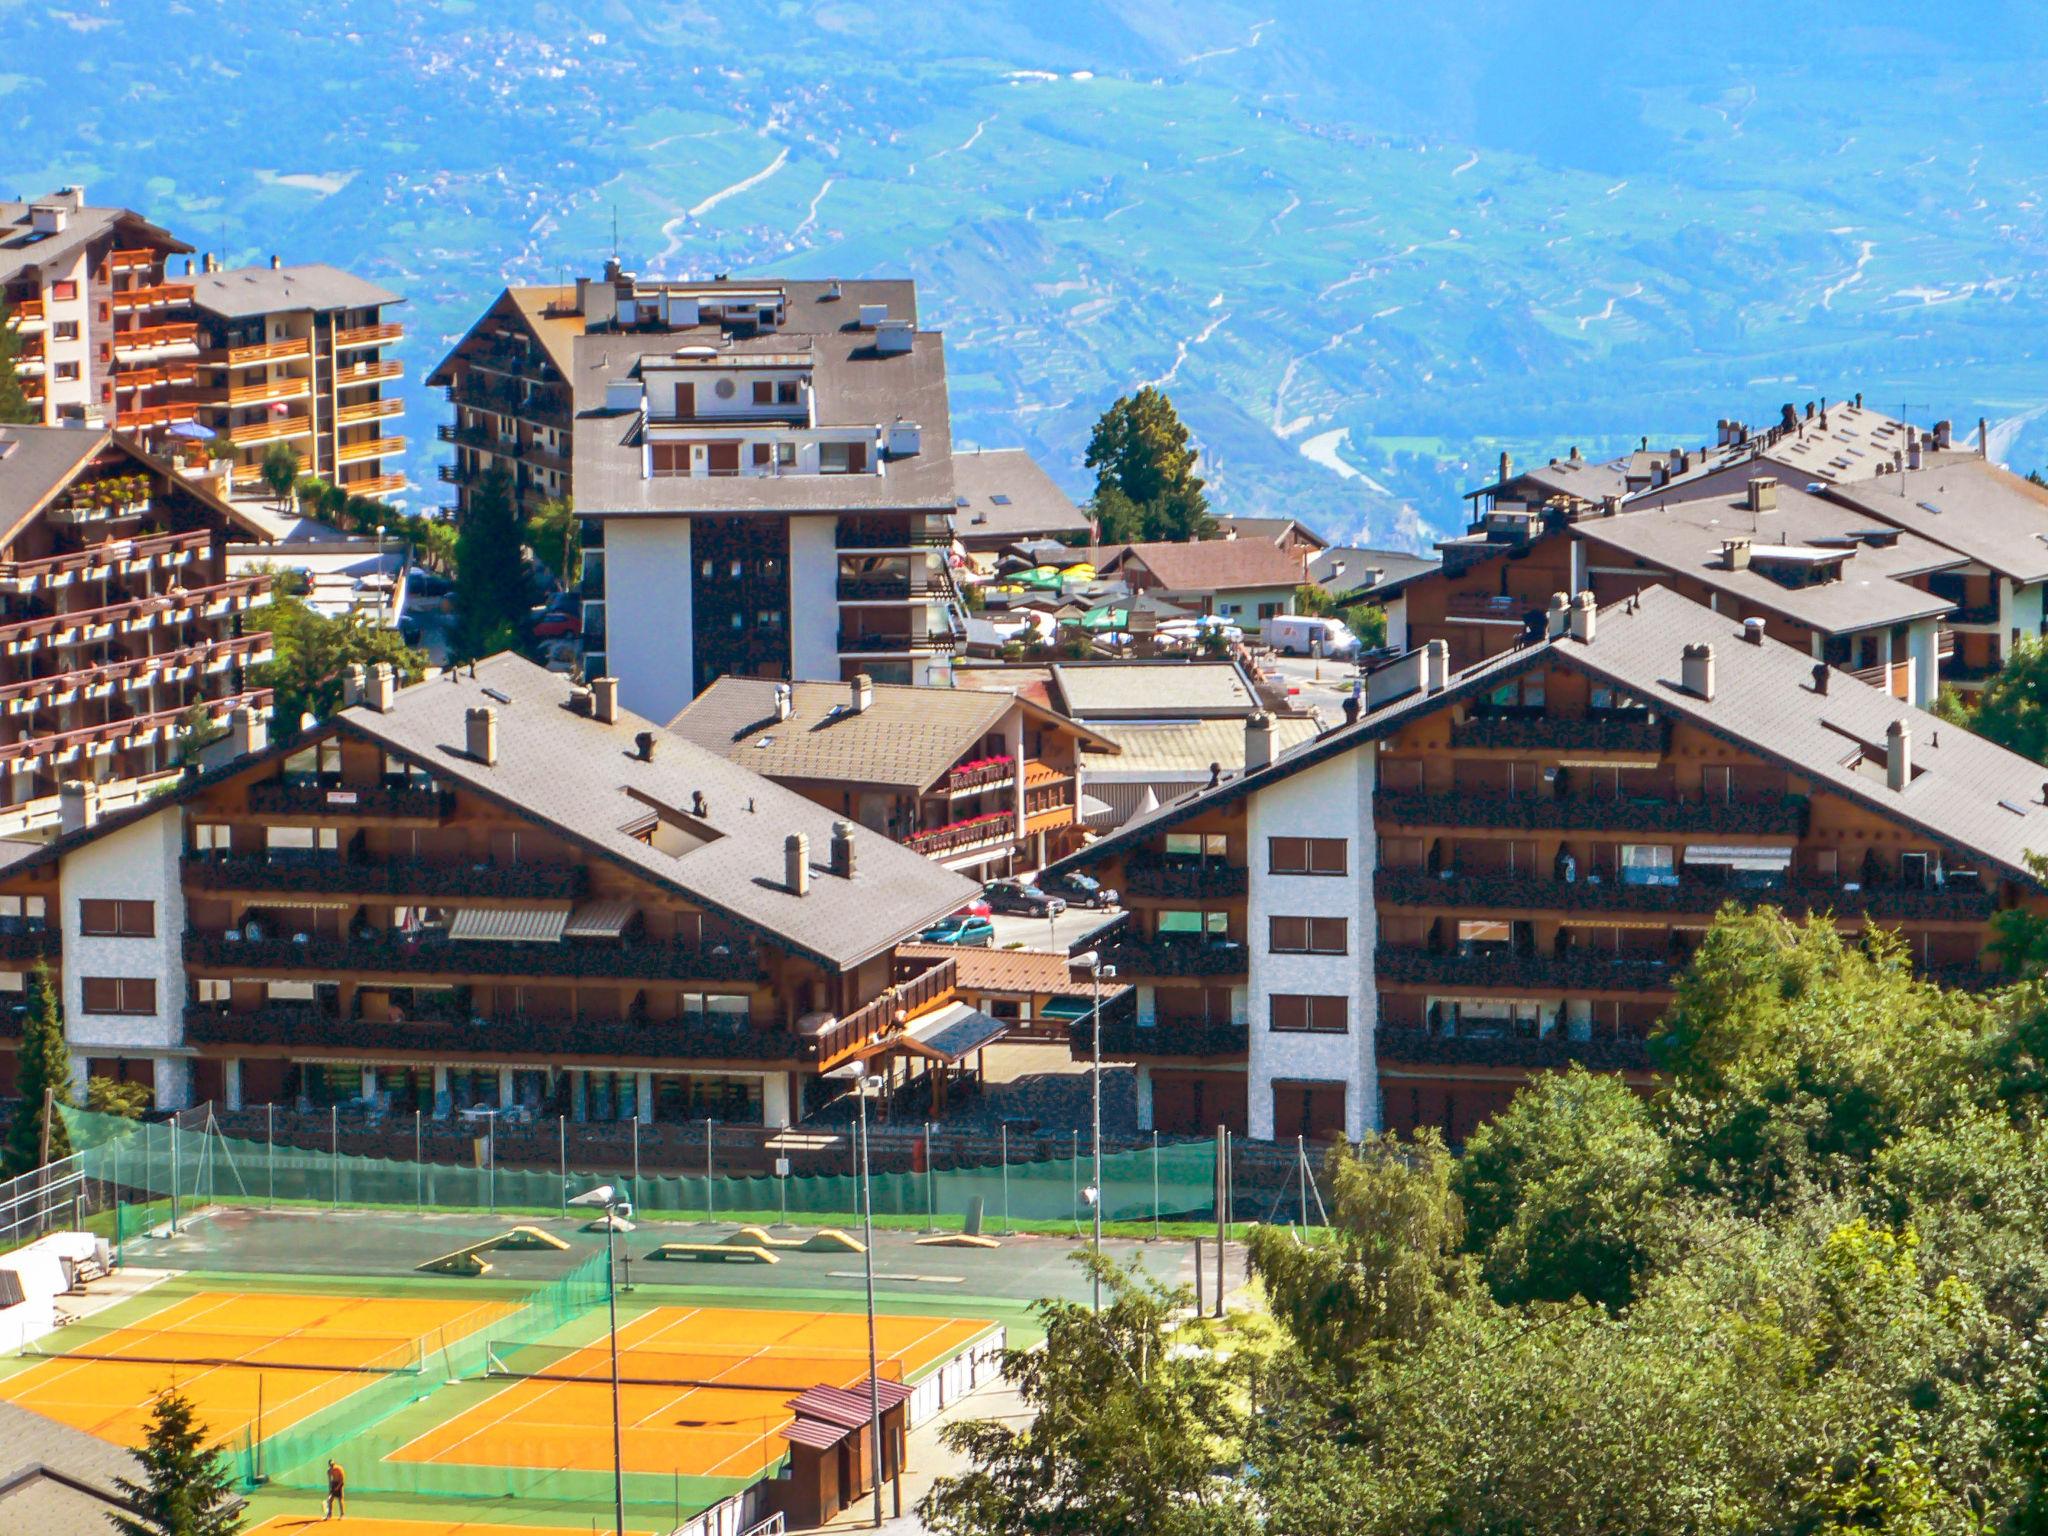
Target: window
(212,837)
(67,370)
(785,392)
(65,330)
(1307,936)
(1306,855)
(1214,925)
(117,919)
(764,392)
(64,292)
(1196,847)
(1269,611)
(785,454)
(1310,1013)
(835,458)
(212,989)
(1647,864)
(718,1010)
(118,994)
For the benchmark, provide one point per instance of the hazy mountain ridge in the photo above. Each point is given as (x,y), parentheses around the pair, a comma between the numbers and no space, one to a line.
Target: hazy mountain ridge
(1402,244)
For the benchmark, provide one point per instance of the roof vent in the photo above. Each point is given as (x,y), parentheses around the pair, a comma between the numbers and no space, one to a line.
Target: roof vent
(604,700)
(872,315)
(1820,678)
(894,336)
(834,291)
(698,806)
(1898,755)
(785,701)
(644,743)
(1753,631)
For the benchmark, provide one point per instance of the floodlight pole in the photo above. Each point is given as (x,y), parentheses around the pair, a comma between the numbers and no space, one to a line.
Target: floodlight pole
(1096,972)
(611,1304)
(867,1218)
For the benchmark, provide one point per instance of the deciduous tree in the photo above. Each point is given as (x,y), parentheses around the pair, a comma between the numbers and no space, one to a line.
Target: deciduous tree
(15,406)
(42,1068)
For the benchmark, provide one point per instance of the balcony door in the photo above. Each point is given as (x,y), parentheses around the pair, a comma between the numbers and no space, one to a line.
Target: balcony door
(1311,1110)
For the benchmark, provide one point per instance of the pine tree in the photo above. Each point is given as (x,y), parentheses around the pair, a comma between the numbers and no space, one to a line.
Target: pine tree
(184,1489)
(43,1063)
(1145,472)
(490,573)
(14,403)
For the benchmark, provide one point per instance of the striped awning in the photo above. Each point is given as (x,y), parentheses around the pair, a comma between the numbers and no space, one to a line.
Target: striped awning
(599,920)
(1737,857)
(301,903)
(510,925)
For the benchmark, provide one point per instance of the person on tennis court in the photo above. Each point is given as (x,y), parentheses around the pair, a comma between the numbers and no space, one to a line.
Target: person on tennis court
(336,1491)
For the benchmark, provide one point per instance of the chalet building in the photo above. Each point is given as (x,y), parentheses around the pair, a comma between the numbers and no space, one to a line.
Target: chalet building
(1499,870)
(106,336)
(487,891)
(981,782)
(1282,532)
(508,380)
(1002,497)
(299,355)
(117,614)
(1246,581)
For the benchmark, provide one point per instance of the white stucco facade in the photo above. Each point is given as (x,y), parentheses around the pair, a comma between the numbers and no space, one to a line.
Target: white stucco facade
(813,599)
(647,587)
(137,863)
(1330,800)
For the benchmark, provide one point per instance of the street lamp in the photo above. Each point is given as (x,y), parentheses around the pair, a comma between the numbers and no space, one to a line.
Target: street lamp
(867,1232)
(1091,961)
(608,1198)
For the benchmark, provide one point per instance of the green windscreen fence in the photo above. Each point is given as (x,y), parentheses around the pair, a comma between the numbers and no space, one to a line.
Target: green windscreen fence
(201,1165)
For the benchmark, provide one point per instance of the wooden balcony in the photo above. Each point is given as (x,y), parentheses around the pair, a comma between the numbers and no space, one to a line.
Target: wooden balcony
(369,448)
(964,836)
(1156,876)
(1125,1039)
(169,668)
(355,802)
(374,485)
(1418,1047)
(876,1020)
(296,388)
(368,410)
(350,375)
(1502,891)
(1191,954)
(64,746)
(455,959)
(276,430)
(1503,970)
(263,352)
(25,311)
(153,296)
(368,335)
(150,337)
(21,577)
(306,1026)
(25,941)
(130,260)
(1553,733)
(1783,817)
(476,879)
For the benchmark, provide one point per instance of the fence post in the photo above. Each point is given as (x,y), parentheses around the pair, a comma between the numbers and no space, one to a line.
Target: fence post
(636,1156)
(174,1175)
(270,1148)
(1301,1157)
(709,1205)
(334,1148)
(419,1172)
(1222,1208)
(1155,1186)
(117,1202)
(931,1185)
(562,1140)
(1074,1162)
(1006,1180)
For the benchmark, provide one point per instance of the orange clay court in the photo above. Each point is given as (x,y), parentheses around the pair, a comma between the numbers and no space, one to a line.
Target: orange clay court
(307,1352)
(708,1430)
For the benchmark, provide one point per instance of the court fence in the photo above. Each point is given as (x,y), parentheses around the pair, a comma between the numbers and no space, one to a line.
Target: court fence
(188,1161)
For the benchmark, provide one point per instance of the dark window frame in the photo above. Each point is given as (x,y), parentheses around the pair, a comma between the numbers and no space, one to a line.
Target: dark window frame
(1314,936)
(125,920)
(131,995)
(1315,856)
(1300,1011)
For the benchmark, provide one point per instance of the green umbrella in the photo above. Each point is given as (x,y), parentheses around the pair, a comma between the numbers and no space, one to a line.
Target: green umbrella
(1106,618)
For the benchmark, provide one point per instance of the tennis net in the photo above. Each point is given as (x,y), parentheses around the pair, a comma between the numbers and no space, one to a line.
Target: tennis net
(761,1370)
(370,1355)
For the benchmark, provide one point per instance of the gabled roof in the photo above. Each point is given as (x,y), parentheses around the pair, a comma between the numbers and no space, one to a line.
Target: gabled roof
(1967,793)
(1187,749)
(1348,571)
(1575,479)
(1004,493)
(1967,504)
(907,737)
(42,461)
(56,1480)
(1212,565)
(1271,529)
(546,312)
(23,250)
(241,291)
(584,780)
(1106,691)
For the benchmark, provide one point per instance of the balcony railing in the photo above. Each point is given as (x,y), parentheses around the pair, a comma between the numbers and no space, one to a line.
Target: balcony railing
(130,260)
(367,373)
(460,878)
(982,775)
(407,802)
(1578,971)
(276,429)
(1124,1037)
(369,448)
(63,746)
(149,297)
(368,335)
(368,410)
(23,310)
(25,695)
(545,1039)
(1156,876)
(1174,955)
(1783,817)
(1551,733)
(1973,613)
(888,589)
(396,955)
(260,352)
(877,1018)
(24,943)
(1956,902)
(975,832)
(1491,607)
(182,333)
(888,536)
(22,576)
(1418,1047)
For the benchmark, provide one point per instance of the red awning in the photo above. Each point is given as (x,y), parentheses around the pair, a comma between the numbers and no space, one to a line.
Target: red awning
(848,1406)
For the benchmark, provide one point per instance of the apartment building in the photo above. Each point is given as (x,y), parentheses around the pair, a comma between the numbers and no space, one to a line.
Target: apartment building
(489,890)
(106,336)
(508,380)
(117,614)
(299,355)
(1500,870)
(987,782)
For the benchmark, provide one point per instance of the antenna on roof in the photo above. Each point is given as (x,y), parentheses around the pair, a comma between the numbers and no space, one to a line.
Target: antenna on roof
(615,229)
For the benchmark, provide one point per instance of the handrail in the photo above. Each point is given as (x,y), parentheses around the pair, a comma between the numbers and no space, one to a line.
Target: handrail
(877,1017)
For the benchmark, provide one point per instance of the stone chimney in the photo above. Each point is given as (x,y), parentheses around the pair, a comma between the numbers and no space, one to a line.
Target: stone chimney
(796,864)
(604,700)
(1898,754)
(842,849)
(1913,452)
(1944,435)
(863,691)
(251,731)
(1258,740)
(1585,615)
(1436,666)
(1763,494)
(1735,554)
(785,701)
(1697,673)
(1557,622)
(78,806)
(1507,465)
(353,684)
(480,735)
(383,694)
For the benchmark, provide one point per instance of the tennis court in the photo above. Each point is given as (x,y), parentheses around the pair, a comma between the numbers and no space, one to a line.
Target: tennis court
(237,1355)
(703,1390)
(370,1525)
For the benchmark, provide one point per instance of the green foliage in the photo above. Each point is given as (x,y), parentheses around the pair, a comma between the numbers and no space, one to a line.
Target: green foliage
(125,1101)
(42,1065)
(1368,621)
(311,654)
(1146,487)
(280,470)
(490,576)
(1131,1423)
(1563,1189)
(1312,601)
(2012,709)
(184,1489)
(555,537)
(15,407)
(1075,643)
(197,731)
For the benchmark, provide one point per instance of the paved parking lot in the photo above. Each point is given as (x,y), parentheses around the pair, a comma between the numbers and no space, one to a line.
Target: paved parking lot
(1070,928)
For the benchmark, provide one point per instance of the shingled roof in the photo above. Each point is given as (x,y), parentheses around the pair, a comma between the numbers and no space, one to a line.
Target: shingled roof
(1213,565)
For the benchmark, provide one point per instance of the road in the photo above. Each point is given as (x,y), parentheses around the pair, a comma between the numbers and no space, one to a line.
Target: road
(1069,929)
(1322,684)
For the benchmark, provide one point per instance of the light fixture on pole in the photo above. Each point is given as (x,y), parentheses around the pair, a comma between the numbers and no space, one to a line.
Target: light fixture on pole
(607,1198)
(867,1233)
(1091,961)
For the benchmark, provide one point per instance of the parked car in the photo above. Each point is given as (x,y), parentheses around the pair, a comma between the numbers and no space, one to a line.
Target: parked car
(1016,896)
(424,583)
(972,932)
(975,908)
(556,626)
(1077,890)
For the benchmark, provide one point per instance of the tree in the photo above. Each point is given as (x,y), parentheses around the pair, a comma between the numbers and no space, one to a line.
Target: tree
(15,406)
(2012,709)
(1130,1419)
(1312,601)
(311,654)
(556,538)
(490,574)
(122,1101)
(1145,472)
(184,1489)
(197,731)
(280,471)
(1562,1188)
(1368,621)
(42,1067)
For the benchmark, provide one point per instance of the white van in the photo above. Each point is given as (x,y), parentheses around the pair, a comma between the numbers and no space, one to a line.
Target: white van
(1292,634)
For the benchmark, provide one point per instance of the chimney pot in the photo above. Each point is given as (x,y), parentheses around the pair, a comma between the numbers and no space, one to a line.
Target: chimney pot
(1258,740)
(842,849)
(1585,616)
(1351,709)
(796,864)
(1507,465)
(1913,453)
(1697,673)
(1735,554)
(383,694)
(1898,754)
(353,682)
(251,731)
(1753,631)
(1983,438)
(1944,434)
(699,806)
(78,806)
(604,700)
(1557,621)
(1763,493)
(1820,677)
(863,691)
(480,727)
(785,701)
(1436,666)
(644,745)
